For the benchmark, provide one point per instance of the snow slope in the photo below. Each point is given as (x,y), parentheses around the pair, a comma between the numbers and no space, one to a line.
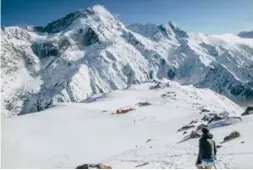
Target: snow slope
(68,135)
(89,51)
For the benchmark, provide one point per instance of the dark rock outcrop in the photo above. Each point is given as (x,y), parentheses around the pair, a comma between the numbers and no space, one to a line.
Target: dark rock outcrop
(186,127)
(231,136)
(93,166)
(249,110)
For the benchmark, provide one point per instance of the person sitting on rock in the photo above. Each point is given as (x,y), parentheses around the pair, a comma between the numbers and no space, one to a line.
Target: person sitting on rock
(207,150)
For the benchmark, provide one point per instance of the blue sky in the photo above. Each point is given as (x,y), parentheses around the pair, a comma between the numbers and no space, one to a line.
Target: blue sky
(208,16)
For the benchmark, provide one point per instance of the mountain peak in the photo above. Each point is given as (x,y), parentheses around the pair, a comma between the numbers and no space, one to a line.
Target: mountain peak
(171,28)
(101,10)
(66,21)
(172,25)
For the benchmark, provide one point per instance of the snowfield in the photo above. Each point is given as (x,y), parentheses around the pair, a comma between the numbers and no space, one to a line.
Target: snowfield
(70,134)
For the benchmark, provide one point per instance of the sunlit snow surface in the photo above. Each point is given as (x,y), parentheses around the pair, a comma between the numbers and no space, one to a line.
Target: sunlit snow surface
(71,134)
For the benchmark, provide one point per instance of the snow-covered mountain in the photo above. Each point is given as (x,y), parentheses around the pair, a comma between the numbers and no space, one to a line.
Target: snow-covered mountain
(90,51)
(246,34)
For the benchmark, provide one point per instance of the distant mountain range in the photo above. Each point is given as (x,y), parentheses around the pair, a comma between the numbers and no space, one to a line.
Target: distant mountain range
(246,34)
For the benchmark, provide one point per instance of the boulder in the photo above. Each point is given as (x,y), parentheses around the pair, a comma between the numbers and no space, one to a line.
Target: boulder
(159,85)
(169,94)
(248,111)
(204,110)
(215,118)
(146,163)
(224,114)
(193,122)
(149,140)
(143,104)
(93,166)
(209,116)
(185,128)
(231,136)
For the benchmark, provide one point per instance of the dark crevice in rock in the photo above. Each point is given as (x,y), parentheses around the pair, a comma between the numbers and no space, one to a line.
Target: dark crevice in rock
(45,49)
(90,37)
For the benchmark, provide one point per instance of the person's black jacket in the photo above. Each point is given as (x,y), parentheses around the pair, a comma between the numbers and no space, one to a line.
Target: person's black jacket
(207,147)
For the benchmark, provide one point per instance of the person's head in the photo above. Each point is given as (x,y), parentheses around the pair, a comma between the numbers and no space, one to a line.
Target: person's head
(205,130)
(206,133)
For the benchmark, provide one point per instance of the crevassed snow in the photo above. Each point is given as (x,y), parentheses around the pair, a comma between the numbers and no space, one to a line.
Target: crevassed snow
(68,135)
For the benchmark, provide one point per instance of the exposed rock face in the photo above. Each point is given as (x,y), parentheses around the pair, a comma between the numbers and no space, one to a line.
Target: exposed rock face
(248,111)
